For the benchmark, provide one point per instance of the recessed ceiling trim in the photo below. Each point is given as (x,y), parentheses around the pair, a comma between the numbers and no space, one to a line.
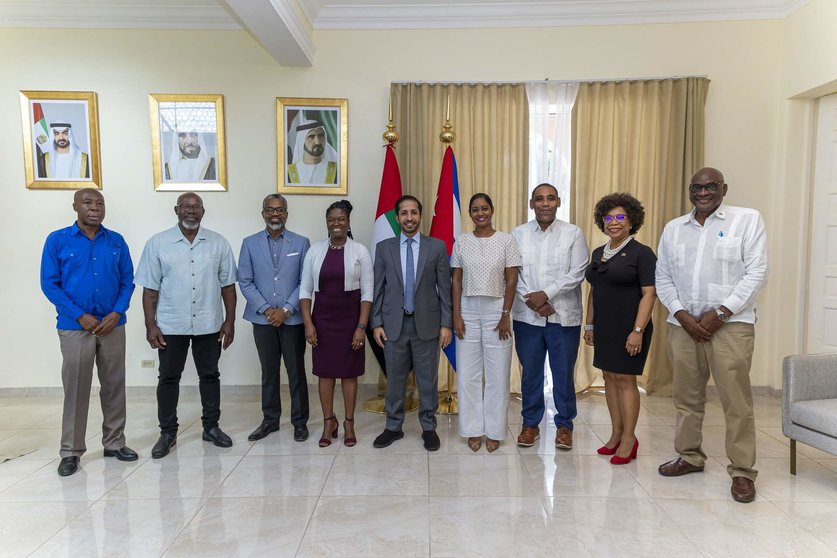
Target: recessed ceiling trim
(87,16)
(545,14)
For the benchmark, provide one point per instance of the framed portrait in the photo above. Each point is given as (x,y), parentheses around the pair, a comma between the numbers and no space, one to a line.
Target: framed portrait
(312,139)
(60,139)
(188,143)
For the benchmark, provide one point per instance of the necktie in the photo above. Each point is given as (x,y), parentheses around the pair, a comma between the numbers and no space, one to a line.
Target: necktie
(410,280)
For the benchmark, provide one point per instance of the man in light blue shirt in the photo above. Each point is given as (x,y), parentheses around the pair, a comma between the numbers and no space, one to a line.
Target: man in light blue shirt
(186,272)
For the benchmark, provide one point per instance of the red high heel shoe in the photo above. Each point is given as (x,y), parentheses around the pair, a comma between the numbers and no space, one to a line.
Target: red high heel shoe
(616,460)
(604,450)
(348,441)
(324,441)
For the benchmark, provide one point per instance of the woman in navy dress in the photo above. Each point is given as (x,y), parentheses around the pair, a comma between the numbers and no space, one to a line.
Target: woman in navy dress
(618,323)
(337,274)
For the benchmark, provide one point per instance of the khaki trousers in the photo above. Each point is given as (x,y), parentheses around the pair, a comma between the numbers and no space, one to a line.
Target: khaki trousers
(727,357)
(80,349)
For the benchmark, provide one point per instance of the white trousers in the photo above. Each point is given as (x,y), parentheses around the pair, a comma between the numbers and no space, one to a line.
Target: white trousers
(483,398)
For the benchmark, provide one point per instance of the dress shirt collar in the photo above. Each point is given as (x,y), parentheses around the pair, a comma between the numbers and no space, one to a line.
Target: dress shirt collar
(280,235)
(77,231)
(179,237)
(402,238)
(720,213)
(536,227)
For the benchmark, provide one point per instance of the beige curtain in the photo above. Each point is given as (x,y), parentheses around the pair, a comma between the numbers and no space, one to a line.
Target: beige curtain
(492,150)
(645,138)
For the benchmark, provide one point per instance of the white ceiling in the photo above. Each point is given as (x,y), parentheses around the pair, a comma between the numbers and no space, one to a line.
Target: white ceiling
(284,27)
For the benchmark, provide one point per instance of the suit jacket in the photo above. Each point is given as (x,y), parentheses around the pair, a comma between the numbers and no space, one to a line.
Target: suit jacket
(433,298)
(261,285)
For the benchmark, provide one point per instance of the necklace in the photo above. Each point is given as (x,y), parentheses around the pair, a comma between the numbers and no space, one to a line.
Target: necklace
(333,247)
(608,253)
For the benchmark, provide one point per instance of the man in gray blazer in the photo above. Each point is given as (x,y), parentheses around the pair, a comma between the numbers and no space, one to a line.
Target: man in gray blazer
(411,319)
(269,270)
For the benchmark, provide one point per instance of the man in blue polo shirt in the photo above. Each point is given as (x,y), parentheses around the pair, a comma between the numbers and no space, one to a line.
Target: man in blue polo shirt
(186,273)
(86,272)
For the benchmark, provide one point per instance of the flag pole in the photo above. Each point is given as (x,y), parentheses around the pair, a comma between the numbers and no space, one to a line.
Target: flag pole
(448,403)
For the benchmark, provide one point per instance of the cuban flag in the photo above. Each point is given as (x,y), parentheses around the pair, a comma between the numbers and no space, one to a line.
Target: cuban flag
(447,220)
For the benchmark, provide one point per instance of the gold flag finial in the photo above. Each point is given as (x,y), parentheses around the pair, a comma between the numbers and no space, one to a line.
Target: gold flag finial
(390,136)
(447,134)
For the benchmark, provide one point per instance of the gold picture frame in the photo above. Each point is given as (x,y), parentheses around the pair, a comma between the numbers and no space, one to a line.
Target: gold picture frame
(325,122)
(188,142)
(60,140)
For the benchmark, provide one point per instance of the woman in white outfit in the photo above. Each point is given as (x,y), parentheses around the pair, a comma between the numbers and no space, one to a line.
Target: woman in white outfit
(485,265)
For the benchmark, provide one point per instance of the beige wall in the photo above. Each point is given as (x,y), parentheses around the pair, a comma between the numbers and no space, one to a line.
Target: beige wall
(746,130)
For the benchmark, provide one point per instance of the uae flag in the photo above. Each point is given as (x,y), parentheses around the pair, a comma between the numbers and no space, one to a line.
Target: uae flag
(447,220)
(40,132)
(385,224)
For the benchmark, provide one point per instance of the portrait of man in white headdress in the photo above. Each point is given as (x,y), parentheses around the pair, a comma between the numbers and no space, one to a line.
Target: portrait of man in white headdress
(314,159)
(189,159)
(62,158)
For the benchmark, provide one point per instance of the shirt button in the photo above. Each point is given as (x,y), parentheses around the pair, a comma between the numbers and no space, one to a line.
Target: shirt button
(193,315)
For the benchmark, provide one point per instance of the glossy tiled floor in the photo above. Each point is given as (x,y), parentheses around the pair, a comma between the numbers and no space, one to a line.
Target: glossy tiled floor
(277,497)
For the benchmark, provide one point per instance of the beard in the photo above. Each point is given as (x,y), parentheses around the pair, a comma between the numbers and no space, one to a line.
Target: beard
(316,151)
(275,226)
(61,143)
(190,225)
(190,151)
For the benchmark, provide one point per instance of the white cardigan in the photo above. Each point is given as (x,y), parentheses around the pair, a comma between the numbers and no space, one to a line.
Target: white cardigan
(358,269)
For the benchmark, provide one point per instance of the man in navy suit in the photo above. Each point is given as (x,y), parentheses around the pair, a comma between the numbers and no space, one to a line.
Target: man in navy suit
(269,270)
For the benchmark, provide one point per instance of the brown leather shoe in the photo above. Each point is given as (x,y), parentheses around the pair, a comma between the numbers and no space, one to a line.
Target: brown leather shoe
(528,436)
(677,467)
(743,490)
(564,438)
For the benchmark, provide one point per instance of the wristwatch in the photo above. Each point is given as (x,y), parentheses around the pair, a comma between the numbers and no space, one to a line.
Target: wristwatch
(637,329)
(721,315)
(288,312)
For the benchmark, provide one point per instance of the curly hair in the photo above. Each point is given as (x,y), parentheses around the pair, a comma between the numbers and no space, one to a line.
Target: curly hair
(632,206)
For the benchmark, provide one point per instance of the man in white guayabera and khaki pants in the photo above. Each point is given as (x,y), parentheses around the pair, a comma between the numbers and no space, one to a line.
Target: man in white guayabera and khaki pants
(712,264)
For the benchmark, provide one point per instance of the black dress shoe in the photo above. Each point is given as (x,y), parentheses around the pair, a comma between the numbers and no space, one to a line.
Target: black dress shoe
(122,454)
(431,440)
(386,438)
(217,437)
(163,445)
(68,466)
(300,432)
(262,431)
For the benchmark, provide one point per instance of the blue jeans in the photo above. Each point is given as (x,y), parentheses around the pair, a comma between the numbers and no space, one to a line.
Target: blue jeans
(561,343)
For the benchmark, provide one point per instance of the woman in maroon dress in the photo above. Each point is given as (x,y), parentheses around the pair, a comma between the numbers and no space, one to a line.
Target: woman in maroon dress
(337,274)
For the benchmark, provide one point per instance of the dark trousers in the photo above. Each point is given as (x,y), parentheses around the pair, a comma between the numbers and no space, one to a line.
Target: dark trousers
(286,342)
(206,351)
(406,353)
(533,343)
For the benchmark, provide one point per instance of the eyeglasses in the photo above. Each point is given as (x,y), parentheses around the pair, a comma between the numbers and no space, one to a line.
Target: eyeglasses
(194,208)
(274,210)
(711,187)
(619,217)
